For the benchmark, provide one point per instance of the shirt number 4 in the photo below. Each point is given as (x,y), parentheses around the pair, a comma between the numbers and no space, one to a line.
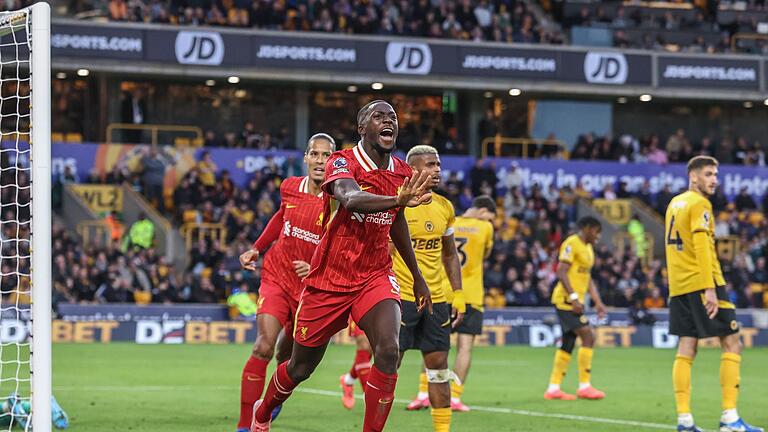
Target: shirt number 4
(674,241)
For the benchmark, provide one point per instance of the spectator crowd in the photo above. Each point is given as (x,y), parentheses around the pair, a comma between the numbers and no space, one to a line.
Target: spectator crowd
(532,222)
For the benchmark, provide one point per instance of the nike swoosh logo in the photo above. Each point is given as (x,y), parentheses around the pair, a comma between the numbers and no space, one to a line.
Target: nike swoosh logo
(445,323)
(290,206)
(385,401)
(365,188)
(250,378)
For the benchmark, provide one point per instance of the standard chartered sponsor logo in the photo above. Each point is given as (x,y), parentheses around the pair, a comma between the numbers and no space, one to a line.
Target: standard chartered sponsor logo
(292,52)
(305,235)
(716,73)
(97,43)
(533,64)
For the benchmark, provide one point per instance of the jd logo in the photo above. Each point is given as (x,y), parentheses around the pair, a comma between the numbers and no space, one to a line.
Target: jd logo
(605,68)
(409,58)
(199,48)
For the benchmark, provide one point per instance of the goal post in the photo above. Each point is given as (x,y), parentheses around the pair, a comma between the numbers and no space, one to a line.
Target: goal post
(25,222)
(41,371)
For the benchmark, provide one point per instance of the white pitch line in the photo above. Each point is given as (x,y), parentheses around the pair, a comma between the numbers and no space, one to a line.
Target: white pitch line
(519,412)
(337,394)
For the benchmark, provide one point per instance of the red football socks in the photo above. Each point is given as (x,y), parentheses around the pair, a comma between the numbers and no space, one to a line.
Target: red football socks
(251,386)
(278,390)
(362,366)
(379,396)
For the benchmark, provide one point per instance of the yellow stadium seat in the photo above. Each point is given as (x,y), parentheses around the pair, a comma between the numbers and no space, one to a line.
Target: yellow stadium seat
(181,142)
(73,137)
(142,297)
(189,216)
(57,137)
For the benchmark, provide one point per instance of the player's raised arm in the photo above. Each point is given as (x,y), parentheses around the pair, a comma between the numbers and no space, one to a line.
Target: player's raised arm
(453,270)
(401,238)
(349,195)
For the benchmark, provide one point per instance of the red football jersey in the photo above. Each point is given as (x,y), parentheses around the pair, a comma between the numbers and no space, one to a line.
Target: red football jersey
(355,247)
(302,227)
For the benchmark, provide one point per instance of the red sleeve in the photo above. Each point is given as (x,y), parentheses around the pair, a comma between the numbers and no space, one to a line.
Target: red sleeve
(271,231)
(337,167)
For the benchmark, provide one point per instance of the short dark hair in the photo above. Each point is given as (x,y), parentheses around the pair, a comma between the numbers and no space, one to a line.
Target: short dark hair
(365,110)
(589,222)
(701,161)
(321,135)
(484,201)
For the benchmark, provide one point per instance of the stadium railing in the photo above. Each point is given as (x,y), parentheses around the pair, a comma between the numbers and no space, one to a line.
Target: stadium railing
(193,231)
(194,133)
(499,142)
(94,232)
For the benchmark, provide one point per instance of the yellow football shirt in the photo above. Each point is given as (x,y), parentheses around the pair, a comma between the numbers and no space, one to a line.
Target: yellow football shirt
(688,213)
(581,257)
(427,223)
(474,239)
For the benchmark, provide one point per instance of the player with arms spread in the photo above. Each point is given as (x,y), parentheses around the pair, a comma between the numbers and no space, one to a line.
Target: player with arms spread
(351,271)
(573,272)
(295,230)
(698,304)
(431,228)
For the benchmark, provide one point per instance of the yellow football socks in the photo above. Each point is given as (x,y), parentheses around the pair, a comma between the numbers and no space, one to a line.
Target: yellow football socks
(585,364)
(456,390)
(441,419)
(729,379)
(681,380)
(560,367)
(423,385)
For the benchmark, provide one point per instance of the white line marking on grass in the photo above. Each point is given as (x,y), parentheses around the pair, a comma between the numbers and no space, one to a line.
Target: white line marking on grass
(518,412)
(337,394)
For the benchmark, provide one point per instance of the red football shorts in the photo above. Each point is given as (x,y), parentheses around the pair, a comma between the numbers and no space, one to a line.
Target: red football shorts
(276,301)
(322,314)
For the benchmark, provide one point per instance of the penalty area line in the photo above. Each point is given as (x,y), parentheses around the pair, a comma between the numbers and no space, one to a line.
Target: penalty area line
(528,413)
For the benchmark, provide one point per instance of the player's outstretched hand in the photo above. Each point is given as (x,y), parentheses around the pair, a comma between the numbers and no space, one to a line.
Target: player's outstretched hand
(415,190)
(710,302)
(602,312)
(578,308)
(422,295)
(248,259)
(301,268)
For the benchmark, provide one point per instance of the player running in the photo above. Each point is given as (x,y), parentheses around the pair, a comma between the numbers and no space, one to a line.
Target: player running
(431,228)
(573,272)
(474,241)
(360,367)
(351,271)
(698,305)
(295,230)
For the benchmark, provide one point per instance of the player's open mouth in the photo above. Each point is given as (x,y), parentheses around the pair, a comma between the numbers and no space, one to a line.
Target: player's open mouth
(388,133)
(319,170)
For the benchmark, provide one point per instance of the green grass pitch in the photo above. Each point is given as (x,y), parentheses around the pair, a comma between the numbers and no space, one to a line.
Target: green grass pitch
(127,387)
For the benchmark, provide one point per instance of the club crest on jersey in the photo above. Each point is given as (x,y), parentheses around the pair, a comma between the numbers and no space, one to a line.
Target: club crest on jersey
(429,226)
(567,252)
(734,325)
(340,163)
(287,229)
(319,220)
(303,331)
(705,219)
(583,319)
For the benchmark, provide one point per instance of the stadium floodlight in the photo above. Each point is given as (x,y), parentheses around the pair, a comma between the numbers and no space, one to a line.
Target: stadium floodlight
(646,98)
(233,80)
(61,75)
(515,92)
(488,95)
(377,86)
(621,100)
(765,102)
(352,88)
(25,133)
(210,83)
(83,72)
(748,104)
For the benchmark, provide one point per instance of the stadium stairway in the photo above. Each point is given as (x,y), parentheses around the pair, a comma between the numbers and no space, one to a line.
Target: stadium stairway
(614,216)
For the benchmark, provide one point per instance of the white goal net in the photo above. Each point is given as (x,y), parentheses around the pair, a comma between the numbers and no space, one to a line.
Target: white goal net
(25,212)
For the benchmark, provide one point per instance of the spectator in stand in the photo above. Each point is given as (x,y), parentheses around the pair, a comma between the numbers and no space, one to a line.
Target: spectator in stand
(207,170)
(153,176)
(141,235)
(744,200)
(656,154)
